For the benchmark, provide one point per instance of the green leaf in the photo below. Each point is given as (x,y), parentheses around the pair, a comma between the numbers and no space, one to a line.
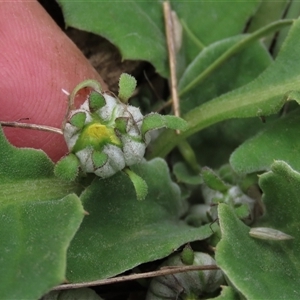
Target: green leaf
(155,121)
(90,83)
(67,168)
(96,101)
(209,71)
(242,211)
(213,181)
(35,238)
(121,124)
(266,13)
(261,97)
(139,184)
(21,163)
(78,119)
(269,265)
(173,122)
(187,255)
(127,85)
(203,79)
(120,232)
(281,190)
(38,222)
(292,12)
(279,141)
(99,158)
(212,59)
(186,175)
(229,134)
(189,156)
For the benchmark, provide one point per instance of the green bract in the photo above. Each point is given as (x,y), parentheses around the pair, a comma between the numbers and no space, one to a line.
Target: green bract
(109,138)
(107,135)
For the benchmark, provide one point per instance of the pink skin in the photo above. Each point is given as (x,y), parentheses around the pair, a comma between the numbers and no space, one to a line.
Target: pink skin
(37,61)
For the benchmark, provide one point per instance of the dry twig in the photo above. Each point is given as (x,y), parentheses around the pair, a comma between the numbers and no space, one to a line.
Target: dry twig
(31,126)
(161,272)
(169,26)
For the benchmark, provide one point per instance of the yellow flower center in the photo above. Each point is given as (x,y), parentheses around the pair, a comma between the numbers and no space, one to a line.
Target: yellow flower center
(96,135)
(100,132)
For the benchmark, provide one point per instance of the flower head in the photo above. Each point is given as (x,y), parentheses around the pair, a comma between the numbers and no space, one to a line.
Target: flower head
(106,135)
(112,132)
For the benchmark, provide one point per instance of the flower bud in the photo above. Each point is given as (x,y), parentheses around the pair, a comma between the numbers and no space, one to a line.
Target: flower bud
(107,139)
(106,135)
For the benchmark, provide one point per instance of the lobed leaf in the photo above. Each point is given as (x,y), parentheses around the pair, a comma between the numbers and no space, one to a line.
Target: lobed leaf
(264,269)
(38,222)
(120,232)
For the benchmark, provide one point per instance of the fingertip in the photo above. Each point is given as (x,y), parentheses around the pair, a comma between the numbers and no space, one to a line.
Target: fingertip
(38,61)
